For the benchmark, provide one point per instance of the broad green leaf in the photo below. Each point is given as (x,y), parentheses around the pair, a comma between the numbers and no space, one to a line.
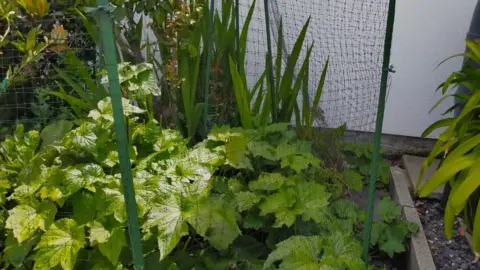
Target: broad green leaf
(300,162)
(111,201)
(377,230)
(14,252)
(84,207)
(236,151)
(342,249)
(297,252)
(354,180)
(311,200)
(170,221)
(388,210)
(205,156)
(188,171)
(60,245)
(246,199)
(280,204)
(55,132)
(73,182)
(262,149)
(98,234)
(392,246)
(253,220)
(25,219)
(223,227)
(112,247)
(268,182)
(83,137)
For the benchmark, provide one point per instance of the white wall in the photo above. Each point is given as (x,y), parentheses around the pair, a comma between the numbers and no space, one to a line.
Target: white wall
(426,32)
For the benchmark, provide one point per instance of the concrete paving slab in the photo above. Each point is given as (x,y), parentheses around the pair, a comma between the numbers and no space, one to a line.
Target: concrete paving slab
(413,165)
(419,256)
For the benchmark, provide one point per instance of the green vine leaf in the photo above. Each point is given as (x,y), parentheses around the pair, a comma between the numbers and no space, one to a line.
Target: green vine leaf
(262,149)
(268,182)
(25,219)
(246,199)
(297,252)
(311,200)
(223,228)
(84,207)
(60,245)
(14,252)
(170,222)
(113,245)
(236,151)
(280,203)
(388,210)
(354,180)
(98,234)
(84,138)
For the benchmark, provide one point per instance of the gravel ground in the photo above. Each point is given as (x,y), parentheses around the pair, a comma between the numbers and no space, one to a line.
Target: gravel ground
(454,254)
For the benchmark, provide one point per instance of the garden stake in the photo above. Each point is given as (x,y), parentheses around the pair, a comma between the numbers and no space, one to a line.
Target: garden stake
(378,130)
(208,63)
(109,49)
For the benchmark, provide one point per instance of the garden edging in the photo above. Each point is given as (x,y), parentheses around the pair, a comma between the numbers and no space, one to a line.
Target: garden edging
(419,256)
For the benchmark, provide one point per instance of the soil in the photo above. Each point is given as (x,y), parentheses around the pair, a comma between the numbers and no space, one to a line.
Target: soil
(454,254)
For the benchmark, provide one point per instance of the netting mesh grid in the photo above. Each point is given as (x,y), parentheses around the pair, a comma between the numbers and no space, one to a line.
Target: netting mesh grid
(209,191)
(33,47)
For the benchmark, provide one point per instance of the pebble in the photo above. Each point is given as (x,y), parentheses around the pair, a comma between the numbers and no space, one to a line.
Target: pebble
(454,254)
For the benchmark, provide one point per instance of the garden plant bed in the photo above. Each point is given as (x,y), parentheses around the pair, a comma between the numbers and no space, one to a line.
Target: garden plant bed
(447,254)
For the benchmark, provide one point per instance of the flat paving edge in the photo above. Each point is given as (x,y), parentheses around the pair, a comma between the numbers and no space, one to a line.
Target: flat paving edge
(419,256)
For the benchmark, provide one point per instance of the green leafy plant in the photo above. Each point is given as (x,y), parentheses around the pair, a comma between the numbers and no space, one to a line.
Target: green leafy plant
(254,105)
(238,188)
(459,144)
(390,233)
(359,156)
(301,252)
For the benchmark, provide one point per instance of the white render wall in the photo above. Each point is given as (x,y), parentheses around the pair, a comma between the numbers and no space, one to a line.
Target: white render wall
(426,32)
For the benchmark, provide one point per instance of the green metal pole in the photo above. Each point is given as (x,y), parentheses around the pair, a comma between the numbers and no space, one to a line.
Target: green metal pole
(109,50)
(237,34)
(270,63)
(378,129)
(208,64)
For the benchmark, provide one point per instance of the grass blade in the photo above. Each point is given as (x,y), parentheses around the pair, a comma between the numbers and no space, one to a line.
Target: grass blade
(241,95)
(444,173)
(318,93)
(439,124)
(288,74)
(467,187)
(76,87)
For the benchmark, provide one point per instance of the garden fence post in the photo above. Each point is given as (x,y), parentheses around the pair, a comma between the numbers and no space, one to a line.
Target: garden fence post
(270,63)
(237,34)
(109,50)
(208,63)
(378,129)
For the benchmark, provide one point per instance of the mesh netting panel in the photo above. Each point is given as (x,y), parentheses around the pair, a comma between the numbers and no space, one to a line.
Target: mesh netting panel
(351,33)
(32,56)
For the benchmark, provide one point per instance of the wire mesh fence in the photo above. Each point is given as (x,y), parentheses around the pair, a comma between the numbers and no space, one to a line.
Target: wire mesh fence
(116,165)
